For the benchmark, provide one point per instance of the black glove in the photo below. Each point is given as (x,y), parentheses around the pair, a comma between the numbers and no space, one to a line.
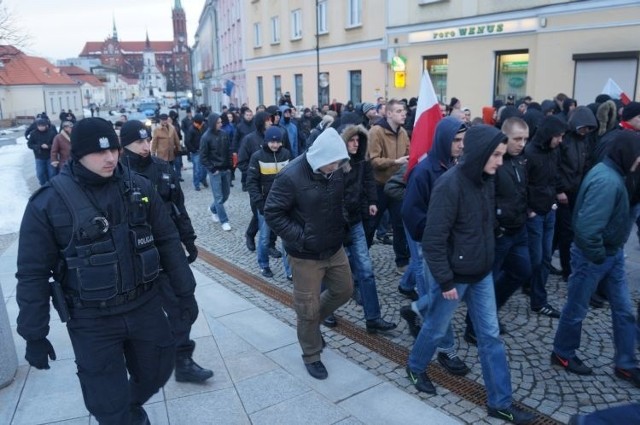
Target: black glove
(37,352)
(193,252)
(188,308)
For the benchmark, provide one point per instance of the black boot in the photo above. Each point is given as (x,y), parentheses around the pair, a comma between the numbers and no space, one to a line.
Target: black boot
(139,416)
(189,371)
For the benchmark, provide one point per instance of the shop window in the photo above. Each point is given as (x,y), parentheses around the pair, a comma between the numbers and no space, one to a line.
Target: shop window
(511,75)
(355,86)
(437,67)
(593,70)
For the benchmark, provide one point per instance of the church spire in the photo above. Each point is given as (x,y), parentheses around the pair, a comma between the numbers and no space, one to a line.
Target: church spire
(115,31)
(177,5)
(147,43)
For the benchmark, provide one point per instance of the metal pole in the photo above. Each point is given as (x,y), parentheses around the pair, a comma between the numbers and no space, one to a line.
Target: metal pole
(318,58)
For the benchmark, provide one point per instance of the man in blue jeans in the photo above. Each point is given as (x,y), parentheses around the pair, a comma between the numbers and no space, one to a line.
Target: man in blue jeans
(602,225)
(459,245)
(215,155)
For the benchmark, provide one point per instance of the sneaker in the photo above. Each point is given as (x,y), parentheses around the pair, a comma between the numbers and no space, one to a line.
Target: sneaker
(553,270)
(317,370)
(453,364)
(197,188)
(226,227)
(470,336)
(215,217)
(266,272)
(330,321)
(596,301)
(250,242)
(547,310)
(573,365)
(413,320)
(421,381)
(385,240)
(290,277)
(409,293)
(631,375)
(512,414)
(274,253)
(401,269)
(205,184)
(379,325)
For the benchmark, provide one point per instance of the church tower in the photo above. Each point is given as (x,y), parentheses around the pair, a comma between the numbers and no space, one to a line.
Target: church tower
(179,24)
(182,63)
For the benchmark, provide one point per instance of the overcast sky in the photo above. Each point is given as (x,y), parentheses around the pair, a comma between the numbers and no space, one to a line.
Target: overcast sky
(59,29)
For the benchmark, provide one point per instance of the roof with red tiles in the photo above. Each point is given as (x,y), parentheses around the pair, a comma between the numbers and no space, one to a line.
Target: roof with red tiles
(19,69)
(127,47)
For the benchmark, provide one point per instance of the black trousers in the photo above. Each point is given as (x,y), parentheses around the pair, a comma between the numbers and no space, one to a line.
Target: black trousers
(180,326)
(108,349)
(400,247)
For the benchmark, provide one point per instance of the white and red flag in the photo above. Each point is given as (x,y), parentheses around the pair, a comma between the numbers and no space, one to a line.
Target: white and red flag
(428,115)
(613,89)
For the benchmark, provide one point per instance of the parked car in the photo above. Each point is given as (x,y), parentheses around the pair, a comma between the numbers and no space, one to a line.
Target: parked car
(148,108)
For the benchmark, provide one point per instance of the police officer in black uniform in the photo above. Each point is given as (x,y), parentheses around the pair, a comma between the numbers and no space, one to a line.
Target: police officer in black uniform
(94,239)
(136,155)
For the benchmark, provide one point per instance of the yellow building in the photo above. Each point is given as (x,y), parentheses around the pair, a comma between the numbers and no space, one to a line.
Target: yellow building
(281,55)
(479,51)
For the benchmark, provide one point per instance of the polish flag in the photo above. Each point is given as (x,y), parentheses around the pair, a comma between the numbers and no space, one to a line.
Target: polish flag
(614,90)
(427,116)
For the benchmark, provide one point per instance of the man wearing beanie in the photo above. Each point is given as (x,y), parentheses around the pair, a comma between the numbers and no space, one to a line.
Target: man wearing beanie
(102,234)
(305,208)
(40,140)
(136,155)
(458,245)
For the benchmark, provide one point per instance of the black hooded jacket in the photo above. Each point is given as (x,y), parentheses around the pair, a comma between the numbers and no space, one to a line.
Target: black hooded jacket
(574,151)
(459,239)
(252,142)
(543,165)
(215,147)
(359,184)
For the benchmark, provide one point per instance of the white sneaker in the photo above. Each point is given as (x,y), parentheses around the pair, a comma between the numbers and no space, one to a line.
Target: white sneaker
(215,218)
(226,227)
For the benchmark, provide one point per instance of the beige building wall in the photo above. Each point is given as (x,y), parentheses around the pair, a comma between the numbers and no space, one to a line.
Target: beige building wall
(555,34)
(342,49)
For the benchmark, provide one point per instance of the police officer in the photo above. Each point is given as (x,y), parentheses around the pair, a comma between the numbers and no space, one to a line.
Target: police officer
(102,233)
(136,155)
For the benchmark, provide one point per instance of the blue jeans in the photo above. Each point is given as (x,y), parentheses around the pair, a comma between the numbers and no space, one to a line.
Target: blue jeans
(493,358)
(198,170)
(177,166)
(540,235)
(220,187)
(512,264)
(362,269)
(413,277)
(583,281)
(45,171)
(262,248)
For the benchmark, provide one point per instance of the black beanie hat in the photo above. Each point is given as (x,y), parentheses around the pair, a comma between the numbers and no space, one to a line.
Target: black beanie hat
(630,110)
(92,135)
(131,131)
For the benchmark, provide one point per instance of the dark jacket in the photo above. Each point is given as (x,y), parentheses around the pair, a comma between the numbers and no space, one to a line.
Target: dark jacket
(306,208)
(46,231)
(37,138)
(543,164)
(511,194)
(193,136)
(424,175)
(252,142)
(264,165)
(574,151)
(459,240)
(215,148)
(359,186)
(242,129)
(167,184)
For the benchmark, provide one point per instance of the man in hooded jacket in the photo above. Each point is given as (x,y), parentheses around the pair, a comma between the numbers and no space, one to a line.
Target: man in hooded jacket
(458,244)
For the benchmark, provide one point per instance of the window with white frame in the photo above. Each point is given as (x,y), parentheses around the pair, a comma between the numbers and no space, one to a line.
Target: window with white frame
(296,24)
(354,13)
(275,30)
(322,17)
(257,35)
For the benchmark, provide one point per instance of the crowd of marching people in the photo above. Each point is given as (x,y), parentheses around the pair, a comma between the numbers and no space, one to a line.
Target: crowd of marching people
(476,217)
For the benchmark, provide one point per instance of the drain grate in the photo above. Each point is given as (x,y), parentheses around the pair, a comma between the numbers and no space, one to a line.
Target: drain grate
(461,386)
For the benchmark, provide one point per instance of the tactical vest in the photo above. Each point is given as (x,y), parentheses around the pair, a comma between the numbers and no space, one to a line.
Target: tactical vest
(106,264)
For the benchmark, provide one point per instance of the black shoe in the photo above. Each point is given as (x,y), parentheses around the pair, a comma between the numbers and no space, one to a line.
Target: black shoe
(317,370)
(189,371)
(385,240)
(139,416)
(555,271)
(274,253)
(421,381)
(596,301)
(266,272)
(330,321)
(547,310)
(526,289)
(205,184)
(379,325)
(470,336)
(573,365)
(251,244)
(290,277)
(631,375)
(413,320)
(453,364)
(411,294)
(512,414)
(197,189)
(502,329)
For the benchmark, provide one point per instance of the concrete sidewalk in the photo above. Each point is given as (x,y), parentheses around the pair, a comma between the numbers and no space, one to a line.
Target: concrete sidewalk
(259,375)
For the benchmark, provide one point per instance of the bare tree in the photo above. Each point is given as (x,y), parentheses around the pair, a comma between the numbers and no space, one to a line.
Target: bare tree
(10,32)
